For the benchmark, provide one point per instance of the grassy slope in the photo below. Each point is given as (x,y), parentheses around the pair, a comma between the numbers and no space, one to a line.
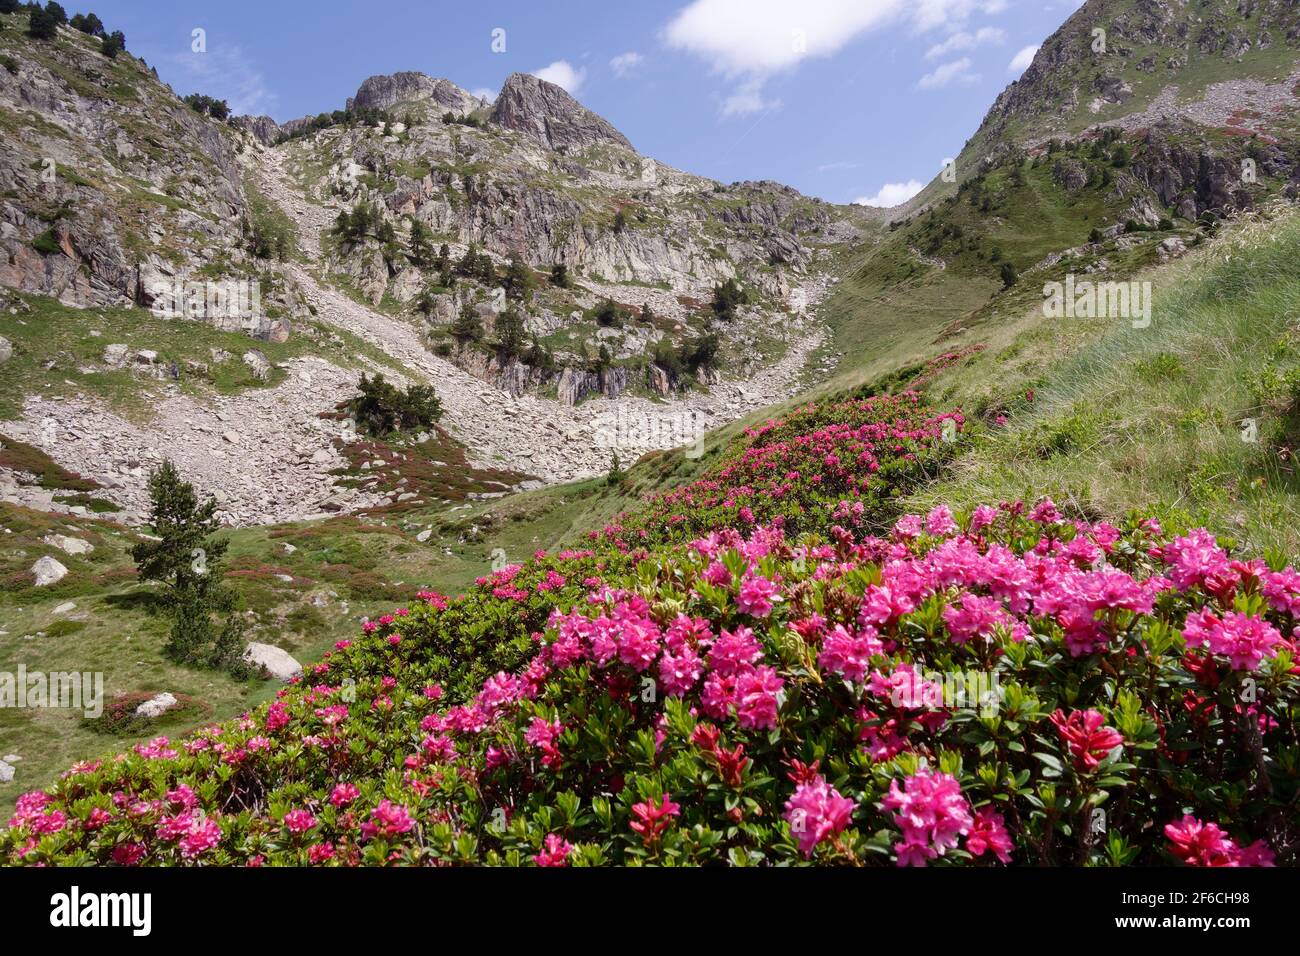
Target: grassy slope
(1153,418)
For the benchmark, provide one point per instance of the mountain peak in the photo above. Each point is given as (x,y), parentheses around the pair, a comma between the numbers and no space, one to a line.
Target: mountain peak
(383,91)
(549,114)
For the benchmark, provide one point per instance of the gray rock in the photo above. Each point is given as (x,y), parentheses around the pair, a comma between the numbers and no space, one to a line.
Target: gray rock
(1171,248)
(6,349)
(258,363)
(6,772)
(68,545)
(157,705)
(48,571)
(277,662)
(548,114)
(381,92)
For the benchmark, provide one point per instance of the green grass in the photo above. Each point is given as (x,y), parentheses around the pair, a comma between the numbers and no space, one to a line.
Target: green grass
(1152,418)
(57,352)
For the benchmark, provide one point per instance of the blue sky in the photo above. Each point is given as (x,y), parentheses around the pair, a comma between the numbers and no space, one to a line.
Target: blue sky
(842,99)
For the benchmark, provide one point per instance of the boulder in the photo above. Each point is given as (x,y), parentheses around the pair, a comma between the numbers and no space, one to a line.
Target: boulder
(68,545)
(258,364)
(116,355)
(1171,248)
(6,772)
(6,349)
(157,705)
(277,662)
(48,571)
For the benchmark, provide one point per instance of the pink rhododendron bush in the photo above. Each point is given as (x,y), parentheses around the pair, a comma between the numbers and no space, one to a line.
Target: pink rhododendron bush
(990,688)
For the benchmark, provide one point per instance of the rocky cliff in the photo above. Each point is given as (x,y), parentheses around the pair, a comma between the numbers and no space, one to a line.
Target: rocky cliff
(547,114)
(105,176)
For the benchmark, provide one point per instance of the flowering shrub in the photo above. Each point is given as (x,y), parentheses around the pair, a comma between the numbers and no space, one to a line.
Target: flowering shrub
(996,687)
(852,457)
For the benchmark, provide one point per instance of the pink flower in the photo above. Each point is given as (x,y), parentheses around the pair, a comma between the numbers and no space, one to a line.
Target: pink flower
(734,652)
(638,645)
(757,595)
(653,817)
(988,834)
(128,854)
(679,672)
(319,853)
(386,821)
(1196,559)
(717,574)
(343,794)
(555,851)
(816,812)
(1088,739)
(974,616)
(1245,641)
(299,822)
(1045,512)
(982,517)
(849,655)
(758,697)
(931,812)
(203,835)
(1204,844)
(543,733)
(939,522)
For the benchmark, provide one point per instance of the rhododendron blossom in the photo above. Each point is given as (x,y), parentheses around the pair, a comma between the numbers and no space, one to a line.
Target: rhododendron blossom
(816,812)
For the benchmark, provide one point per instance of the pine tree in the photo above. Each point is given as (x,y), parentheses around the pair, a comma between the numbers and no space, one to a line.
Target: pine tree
(519,280)
(560,276)
(468,327)
(186,558)
(421,243)
(726,297)
(510,332)
(1008,274)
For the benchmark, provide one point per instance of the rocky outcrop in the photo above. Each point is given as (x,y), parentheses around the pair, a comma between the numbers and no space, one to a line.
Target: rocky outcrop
(262,128)
(381,92)
(132,172)
(1191,179)
(1092,68)
(547,114)
(576,384)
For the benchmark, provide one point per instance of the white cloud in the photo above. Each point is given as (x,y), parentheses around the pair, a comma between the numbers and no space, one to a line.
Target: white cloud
(891,194)
(748,98)
(1020,62)
(484,93)
(748,41)
(958,71)
(224,72)
(625,63)
(562,73)
(962,40)
(764,36)
(831,167)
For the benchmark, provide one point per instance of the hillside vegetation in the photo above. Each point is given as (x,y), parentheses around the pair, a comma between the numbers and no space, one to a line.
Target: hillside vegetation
(768,665)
